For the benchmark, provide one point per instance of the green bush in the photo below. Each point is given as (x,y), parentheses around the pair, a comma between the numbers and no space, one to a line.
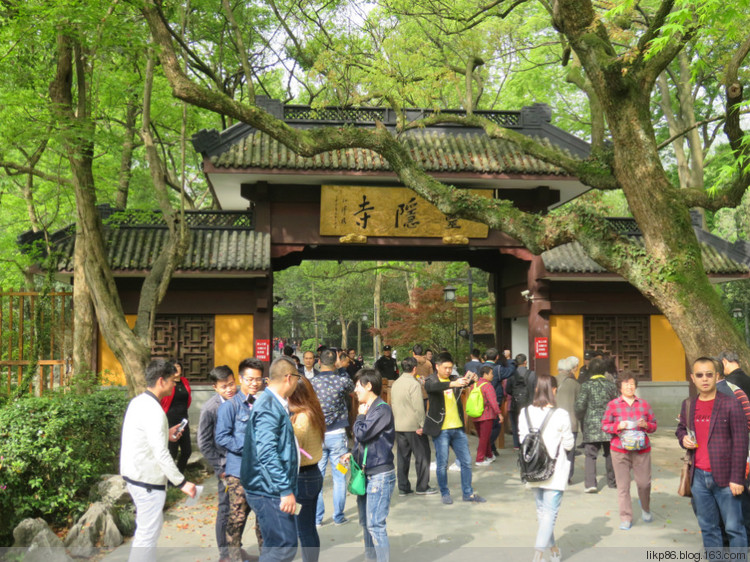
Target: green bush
(52,450)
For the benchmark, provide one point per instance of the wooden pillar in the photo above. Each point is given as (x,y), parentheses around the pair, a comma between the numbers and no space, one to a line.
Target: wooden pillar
(258,198)
(497,288)
(263,315)
(539,316)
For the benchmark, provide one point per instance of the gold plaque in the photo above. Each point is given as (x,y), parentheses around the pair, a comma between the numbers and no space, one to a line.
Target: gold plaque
(390,211)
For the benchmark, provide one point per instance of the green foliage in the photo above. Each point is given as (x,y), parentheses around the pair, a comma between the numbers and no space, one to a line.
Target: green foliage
(52,449)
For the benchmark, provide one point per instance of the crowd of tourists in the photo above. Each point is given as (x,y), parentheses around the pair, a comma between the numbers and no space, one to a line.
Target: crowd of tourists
(272,439)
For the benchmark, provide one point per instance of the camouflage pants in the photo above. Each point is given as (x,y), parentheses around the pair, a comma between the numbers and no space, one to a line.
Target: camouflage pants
(238,512)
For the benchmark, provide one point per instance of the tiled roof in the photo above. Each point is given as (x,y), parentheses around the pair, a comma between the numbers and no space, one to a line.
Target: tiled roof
(216,250)
(436,151)
(719,256)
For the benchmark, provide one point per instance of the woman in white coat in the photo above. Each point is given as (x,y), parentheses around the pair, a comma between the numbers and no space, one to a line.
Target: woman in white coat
(557,438)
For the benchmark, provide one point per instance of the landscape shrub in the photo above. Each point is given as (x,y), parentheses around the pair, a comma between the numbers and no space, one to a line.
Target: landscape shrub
(52,450)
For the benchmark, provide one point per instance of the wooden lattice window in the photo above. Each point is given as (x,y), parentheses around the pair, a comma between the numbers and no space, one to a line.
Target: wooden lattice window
(628,338)
(189,338)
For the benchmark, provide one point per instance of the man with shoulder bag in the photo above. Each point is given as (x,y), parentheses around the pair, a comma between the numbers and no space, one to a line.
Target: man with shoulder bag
(714,427)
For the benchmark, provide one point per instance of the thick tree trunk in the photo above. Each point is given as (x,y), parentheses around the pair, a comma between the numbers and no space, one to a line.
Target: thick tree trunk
(344,332)
(133,353)
(131,348)
(671,273)
(84,320)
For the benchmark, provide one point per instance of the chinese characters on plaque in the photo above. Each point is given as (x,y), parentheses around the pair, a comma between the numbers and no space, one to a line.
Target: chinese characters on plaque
(389,211)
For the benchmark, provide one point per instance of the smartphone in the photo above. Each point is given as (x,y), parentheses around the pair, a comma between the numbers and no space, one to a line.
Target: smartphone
(182,426)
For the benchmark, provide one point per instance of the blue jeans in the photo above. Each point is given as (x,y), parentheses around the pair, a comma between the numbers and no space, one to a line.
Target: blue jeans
(309,484)
(547,506)
(334,445)
(714,503)
(456,440)
(279,529)
(373,509)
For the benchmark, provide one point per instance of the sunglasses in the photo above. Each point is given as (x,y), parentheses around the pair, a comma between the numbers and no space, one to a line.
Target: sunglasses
(708,375)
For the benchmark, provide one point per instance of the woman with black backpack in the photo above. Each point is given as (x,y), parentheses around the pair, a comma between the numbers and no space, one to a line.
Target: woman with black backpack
(545,470)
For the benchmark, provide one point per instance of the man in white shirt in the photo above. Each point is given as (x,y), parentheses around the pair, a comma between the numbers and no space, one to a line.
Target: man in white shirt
(145,462)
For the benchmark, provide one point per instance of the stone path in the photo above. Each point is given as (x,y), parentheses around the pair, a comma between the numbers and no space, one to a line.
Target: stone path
(422,529)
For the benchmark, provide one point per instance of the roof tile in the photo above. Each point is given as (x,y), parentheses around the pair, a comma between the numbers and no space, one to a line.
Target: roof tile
(572,258)
(436,151)
(211,249)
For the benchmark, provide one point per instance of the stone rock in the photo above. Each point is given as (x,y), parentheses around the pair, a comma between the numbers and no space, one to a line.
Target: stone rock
(43,544)
(96,528)
(47,547)
(26,530)
(111,490)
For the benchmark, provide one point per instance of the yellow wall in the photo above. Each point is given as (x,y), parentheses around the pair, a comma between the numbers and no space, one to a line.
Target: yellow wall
(566,339)
(112,373)
(234,339)
(234,342)
(667,353)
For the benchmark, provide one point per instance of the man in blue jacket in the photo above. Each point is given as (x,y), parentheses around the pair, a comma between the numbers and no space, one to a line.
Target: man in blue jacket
(231,420)
(270,459)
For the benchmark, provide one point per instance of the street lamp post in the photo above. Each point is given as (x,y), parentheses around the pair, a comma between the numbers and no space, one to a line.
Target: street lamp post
(742,313)
(364,318)
(450,296)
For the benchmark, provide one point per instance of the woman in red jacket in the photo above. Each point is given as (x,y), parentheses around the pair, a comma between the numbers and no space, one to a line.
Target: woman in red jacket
(491,412)
(176,407)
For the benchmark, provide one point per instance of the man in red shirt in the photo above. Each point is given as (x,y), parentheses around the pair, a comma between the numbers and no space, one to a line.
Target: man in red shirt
(714,427)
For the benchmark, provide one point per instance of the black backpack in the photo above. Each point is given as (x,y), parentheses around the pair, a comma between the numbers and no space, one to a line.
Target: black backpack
(535,462)
(520,389)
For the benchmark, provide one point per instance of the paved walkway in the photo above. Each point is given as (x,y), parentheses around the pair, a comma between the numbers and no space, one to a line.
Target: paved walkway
(421,529)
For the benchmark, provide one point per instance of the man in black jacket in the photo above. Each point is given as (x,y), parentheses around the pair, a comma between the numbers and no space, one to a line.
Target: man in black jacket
(222,378)
(386,365)
(445,424)
(730,361)
(520,388)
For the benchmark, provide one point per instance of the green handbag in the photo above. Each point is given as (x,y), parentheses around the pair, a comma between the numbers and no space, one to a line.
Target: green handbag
(357,479)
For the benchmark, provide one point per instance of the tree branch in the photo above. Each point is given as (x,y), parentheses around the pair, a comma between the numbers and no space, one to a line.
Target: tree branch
(728,197)
(535,232)
(734,94)
(19,169)
(241,49)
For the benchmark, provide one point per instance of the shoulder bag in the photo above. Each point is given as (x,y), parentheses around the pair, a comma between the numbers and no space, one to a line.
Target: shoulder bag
(357,478)
(683,488)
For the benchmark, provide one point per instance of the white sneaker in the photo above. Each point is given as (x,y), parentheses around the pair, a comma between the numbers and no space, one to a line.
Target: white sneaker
(485,462)
(555,556)
(492,458)
(455,467)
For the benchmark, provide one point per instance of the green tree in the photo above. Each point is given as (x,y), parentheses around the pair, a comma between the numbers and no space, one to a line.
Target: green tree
(622,50)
